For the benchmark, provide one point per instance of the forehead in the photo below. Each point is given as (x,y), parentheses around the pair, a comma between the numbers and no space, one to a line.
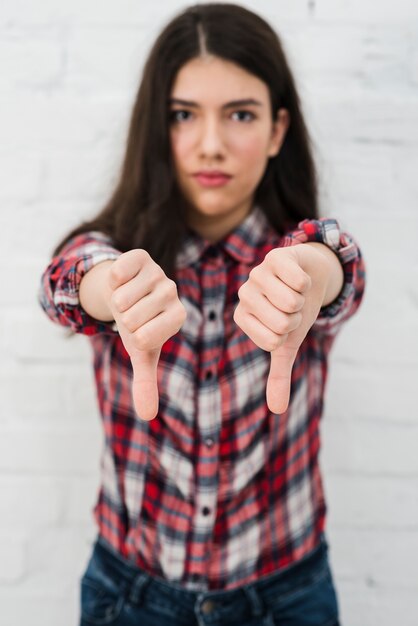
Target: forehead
(211,79)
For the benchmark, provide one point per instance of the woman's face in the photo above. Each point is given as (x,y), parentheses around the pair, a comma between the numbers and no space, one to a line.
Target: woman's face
(210,129)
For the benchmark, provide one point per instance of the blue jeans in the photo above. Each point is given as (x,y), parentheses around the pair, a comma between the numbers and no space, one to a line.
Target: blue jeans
(117,593)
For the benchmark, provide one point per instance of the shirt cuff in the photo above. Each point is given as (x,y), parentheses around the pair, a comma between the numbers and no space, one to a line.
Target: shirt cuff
(59,290)
(328,232)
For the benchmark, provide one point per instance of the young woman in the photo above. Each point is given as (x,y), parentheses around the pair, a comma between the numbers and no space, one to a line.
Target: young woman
(211,292)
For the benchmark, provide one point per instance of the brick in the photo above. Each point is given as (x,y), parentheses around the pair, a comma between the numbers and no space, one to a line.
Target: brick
(57,557)
(39,499)
(31,61)
(371,502)
(50,589)
(81,496)
(78,176)
(21,291)
(368,119)
(371,447)
(378,558)
(48,12)
(356,391)
(31,337)
(41,449)
(103,60)
(48,501)
(13,545)
(129,13)
(59,120)
(47,608)
(362,11)
(368,180)
(19,235)
(43,398)
(362,604)
(27,170)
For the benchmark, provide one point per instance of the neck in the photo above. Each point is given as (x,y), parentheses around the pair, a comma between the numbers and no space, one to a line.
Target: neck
(213,228)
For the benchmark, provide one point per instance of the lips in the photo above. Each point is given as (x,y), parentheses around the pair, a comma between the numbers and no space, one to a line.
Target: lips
(212,178)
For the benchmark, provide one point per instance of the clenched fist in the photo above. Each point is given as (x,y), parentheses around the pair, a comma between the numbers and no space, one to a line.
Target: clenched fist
(278,304)
(147,311)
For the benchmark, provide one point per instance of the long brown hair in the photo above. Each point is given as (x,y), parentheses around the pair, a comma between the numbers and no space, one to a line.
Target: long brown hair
(146,209)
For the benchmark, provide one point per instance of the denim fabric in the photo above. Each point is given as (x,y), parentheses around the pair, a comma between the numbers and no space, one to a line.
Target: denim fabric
(117,593)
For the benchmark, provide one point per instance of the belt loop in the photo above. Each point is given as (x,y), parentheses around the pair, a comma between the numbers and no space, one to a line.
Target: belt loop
(254,599)
(138,587)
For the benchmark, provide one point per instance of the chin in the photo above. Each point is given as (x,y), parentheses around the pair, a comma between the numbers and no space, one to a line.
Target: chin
(210,208)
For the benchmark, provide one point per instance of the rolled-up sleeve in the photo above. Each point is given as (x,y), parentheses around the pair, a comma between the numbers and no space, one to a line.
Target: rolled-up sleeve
(328,231)
(58,292)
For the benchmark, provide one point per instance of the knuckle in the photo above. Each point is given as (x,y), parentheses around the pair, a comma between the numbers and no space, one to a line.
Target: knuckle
(116,272)
(242,291)
(183,311)
(276,342)
(171,288)
(298,317)
(115,301)
(273,343)
(156,276)
(140,254)
(152,281)
(282,326)
(254,273)
(292,304)
(141,339)
(121,268)
(306,281)
(302,283)
(272,254)
(181,314)
(237,314)
(127,321)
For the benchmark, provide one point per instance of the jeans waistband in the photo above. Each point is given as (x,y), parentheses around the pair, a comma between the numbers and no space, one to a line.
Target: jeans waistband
(281,582)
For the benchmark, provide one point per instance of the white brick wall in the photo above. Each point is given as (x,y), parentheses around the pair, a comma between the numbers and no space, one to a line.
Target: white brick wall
(69,71)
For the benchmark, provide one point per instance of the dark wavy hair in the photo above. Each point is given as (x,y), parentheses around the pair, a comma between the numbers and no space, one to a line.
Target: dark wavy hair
(146,209)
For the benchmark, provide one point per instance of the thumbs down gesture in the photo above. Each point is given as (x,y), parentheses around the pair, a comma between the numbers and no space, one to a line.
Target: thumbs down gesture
(278,304)
(147,312)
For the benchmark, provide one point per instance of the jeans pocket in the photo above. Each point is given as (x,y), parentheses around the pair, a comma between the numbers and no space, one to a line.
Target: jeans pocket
(102,598)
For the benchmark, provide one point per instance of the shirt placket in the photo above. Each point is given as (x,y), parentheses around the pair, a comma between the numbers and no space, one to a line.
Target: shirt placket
(209,410)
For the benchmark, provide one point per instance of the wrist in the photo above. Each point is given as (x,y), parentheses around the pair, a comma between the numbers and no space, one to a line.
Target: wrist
(95,292)
(333,273)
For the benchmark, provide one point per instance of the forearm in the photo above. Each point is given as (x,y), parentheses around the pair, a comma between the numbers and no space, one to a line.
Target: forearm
(335,272)
(95,292)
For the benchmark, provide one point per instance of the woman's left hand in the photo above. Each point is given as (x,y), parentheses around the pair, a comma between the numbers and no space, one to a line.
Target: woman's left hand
(278,304)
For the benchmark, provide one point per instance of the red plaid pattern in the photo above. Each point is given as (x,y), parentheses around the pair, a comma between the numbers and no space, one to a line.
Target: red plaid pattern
(216,491)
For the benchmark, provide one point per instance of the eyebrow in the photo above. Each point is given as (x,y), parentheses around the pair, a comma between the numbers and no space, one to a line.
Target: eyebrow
(228,105)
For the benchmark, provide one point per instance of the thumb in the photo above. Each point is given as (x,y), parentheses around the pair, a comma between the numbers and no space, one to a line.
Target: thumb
(144,385)
(278,382)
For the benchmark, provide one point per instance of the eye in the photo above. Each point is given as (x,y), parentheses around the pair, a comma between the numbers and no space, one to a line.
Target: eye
(174,115)
(247,113)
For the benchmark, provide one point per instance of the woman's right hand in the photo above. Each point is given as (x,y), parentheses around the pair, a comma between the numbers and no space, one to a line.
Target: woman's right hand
(147,311)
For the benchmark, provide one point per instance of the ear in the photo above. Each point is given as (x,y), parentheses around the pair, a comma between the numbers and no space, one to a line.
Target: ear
(278,132)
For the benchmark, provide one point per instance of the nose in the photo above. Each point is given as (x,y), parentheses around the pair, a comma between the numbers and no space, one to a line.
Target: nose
(211,140)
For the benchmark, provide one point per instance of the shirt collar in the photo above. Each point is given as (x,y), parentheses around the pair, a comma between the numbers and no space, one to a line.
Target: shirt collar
(241,243)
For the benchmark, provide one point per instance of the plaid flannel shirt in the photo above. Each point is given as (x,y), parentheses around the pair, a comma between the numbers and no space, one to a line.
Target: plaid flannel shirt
(216,491)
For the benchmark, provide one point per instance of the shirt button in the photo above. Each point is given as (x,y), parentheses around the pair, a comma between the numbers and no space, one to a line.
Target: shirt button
(209,442)
(212,251)
(212,315)
(209,374)
(205,510)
